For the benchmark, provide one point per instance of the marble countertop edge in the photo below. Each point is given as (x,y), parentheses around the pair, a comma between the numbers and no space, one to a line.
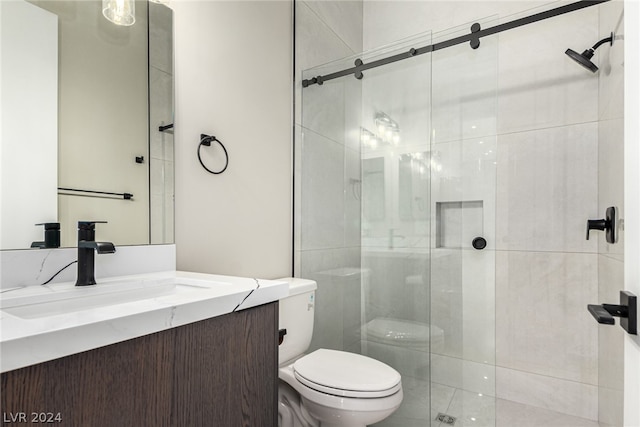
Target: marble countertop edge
(28,341)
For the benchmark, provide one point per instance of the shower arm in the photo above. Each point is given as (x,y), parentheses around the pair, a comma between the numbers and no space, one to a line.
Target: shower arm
(603,41)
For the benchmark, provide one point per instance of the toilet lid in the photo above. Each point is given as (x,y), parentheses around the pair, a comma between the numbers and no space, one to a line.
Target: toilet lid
(346,374)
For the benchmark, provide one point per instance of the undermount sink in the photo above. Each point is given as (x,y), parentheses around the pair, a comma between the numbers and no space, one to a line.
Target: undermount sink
(50,301)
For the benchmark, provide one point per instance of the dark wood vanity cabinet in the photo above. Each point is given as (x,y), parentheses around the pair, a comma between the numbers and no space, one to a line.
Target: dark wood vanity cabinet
(217,372)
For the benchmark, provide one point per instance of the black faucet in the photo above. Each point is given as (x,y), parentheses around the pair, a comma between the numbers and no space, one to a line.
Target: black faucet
(87,247)
(51,236)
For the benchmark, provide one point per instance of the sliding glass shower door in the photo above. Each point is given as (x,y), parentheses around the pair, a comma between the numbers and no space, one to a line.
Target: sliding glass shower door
(463,183)
(395,144)
(396,199)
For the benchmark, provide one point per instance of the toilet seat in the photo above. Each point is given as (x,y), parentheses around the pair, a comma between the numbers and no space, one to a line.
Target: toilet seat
(344,374)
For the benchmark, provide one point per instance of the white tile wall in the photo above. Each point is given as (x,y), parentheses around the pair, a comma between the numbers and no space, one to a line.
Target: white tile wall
(611,75)
(547,189)
(463,104)
(446,299)
(479,306)
(542,324)
(463,374)
(316,44)
(342,18)
(510,414)
(323,192)
(466,171)
(539,86)
(336,296)
(323,110)
(611,181)
(388,21)
(568,397)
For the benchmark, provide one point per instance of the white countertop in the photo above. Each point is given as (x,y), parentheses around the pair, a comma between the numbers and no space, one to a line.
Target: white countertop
(34,331)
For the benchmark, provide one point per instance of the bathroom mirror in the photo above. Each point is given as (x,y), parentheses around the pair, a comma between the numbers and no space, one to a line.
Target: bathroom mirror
(413,186)
(373,189)
(87,113)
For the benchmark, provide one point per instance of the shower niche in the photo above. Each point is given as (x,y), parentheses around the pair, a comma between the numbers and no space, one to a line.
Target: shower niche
(458,223)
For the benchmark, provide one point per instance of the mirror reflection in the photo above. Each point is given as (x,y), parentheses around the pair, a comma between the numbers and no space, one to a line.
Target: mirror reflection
(413,183)
(83,101)
(373,189)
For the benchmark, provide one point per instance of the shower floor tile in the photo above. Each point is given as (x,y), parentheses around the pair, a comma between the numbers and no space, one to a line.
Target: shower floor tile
(471,409)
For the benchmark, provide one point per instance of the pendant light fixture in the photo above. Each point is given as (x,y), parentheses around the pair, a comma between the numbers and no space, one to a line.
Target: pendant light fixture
(120,12)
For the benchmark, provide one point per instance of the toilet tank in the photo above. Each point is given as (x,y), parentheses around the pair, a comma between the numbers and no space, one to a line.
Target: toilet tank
(296,316)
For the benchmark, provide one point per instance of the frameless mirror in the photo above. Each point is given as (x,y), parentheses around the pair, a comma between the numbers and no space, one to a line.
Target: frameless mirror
(413,185)
(87,109)
(373,189)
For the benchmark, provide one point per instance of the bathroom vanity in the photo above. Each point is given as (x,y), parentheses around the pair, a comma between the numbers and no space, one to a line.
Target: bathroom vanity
(212,359)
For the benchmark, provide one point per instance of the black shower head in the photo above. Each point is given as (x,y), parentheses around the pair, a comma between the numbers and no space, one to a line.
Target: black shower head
(584,58)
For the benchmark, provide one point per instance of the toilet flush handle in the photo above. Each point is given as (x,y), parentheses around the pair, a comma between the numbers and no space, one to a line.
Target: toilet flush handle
(281,334)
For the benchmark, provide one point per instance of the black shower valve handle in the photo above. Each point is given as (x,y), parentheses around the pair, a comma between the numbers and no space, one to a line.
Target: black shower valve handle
(597,224)
(608,224)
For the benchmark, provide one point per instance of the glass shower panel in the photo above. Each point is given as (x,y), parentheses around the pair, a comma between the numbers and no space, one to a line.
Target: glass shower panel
(395,185)
(396,124)
(463,174)
(328,199)
(363,168)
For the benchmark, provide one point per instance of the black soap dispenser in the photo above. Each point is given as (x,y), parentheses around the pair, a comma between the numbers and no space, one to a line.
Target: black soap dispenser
(51,236)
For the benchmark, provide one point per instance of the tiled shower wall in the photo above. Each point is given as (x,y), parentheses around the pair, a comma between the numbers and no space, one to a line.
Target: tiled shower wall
(327,161)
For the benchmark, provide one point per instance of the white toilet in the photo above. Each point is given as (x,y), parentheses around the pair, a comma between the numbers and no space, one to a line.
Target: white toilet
(327,388)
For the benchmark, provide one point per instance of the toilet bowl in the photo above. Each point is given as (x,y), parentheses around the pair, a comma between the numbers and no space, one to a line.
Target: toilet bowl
(327,388)
(402,333)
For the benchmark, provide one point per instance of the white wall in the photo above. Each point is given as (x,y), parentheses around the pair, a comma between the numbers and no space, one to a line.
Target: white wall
(233,70)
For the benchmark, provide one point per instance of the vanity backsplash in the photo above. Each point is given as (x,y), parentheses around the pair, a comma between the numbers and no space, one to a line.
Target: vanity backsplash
(21,268)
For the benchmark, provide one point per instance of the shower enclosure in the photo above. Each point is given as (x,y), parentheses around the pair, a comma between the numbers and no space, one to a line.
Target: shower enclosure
(423,216)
